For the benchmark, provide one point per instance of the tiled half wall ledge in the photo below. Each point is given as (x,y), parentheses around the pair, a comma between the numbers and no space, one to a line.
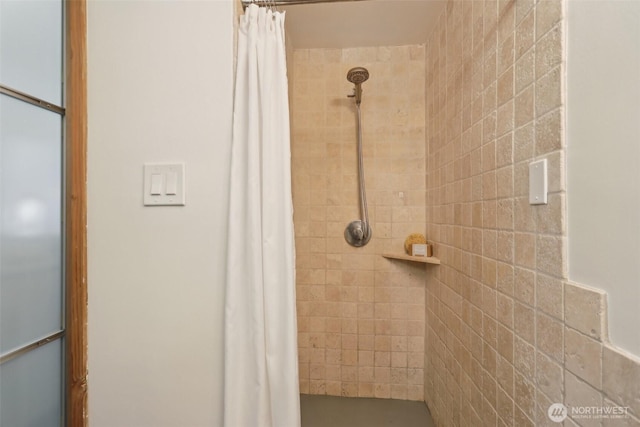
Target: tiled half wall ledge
(596,373)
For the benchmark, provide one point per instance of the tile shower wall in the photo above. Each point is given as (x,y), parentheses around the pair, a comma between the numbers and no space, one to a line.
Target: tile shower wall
(360,316)
(506,334)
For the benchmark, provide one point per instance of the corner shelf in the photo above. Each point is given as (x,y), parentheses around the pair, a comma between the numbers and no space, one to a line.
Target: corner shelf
(422,259)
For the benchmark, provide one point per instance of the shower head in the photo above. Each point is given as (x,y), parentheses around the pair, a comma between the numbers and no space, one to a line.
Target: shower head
(358,75)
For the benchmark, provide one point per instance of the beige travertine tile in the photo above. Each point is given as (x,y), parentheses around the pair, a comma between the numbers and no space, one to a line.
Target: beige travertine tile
(584,310)
(521,179)
(548,91)
(488,156)
(505,53)
(579,393)
(548,51)
(506,86)
(317,387)
(504,407)
(520,419)
(365,389)
(525,104)
(504,182)
(548,13)
(504,150)
(504,217)
(621,378)
(489,332)
(349,389)
(551,255)
(504,375)
(525,71)
(524,395)
(550,296)
(550,218)
(524,358)
(505,245)
(504,309)
(556,171)
(549,377)
(505,342)
(524,286)
(549,336)
(524,143)
(525,32)
(524,322)
(549,130)
(543,402)
(583,357)
(626,420)
(525,249)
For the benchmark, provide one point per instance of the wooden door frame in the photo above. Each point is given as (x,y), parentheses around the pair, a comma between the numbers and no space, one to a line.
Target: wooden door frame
(76,213)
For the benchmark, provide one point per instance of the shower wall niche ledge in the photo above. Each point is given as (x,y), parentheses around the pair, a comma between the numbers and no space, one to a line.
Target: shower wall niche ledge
(404,257)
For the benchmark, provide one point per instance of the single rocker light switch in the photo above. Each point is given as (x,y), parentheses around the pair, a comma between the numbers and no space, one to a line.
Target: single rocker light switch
(538,182)
(156,184)
(172,184)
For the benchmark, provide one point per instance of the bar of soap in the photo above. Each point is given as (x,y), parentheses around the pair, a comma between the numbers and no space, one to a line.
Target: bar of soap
(419,249)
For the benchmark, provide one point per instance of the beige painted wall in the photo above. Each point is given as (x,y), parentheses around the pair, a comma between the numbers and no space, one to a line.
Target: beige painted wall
(603,157)
(160,89)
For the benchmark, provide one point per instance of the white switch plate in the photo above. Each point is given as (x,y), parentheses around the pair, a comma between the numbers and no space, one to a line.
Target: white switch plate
(171,183)
(538,182)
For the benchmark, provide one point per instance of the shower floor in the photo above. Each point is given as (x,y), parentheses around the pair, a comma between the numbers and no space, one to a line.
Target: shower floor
(331,411)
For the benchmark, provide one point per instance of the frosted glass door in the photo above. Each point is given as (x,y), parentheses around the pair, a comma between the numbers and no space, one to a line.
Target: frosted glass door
(30,388)
(31,47)
(31,214)
(30,195)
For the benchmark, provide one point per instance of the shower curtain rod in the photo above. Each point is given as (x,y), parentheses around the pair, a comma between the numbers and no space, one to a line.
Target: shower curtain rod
(267,3)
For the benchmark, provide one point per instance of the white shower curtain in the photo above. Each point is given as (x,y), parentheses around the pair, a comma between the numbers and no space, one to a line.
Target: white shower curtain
(261,362)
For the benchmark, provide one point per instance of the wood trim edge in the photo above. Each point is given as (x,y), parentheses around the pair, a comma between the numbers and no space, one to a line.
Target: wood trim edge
(76,213)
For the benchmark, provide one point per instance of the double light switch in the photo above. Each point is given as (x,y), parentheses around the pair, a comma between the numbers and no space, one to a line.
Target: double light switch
(164,184)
